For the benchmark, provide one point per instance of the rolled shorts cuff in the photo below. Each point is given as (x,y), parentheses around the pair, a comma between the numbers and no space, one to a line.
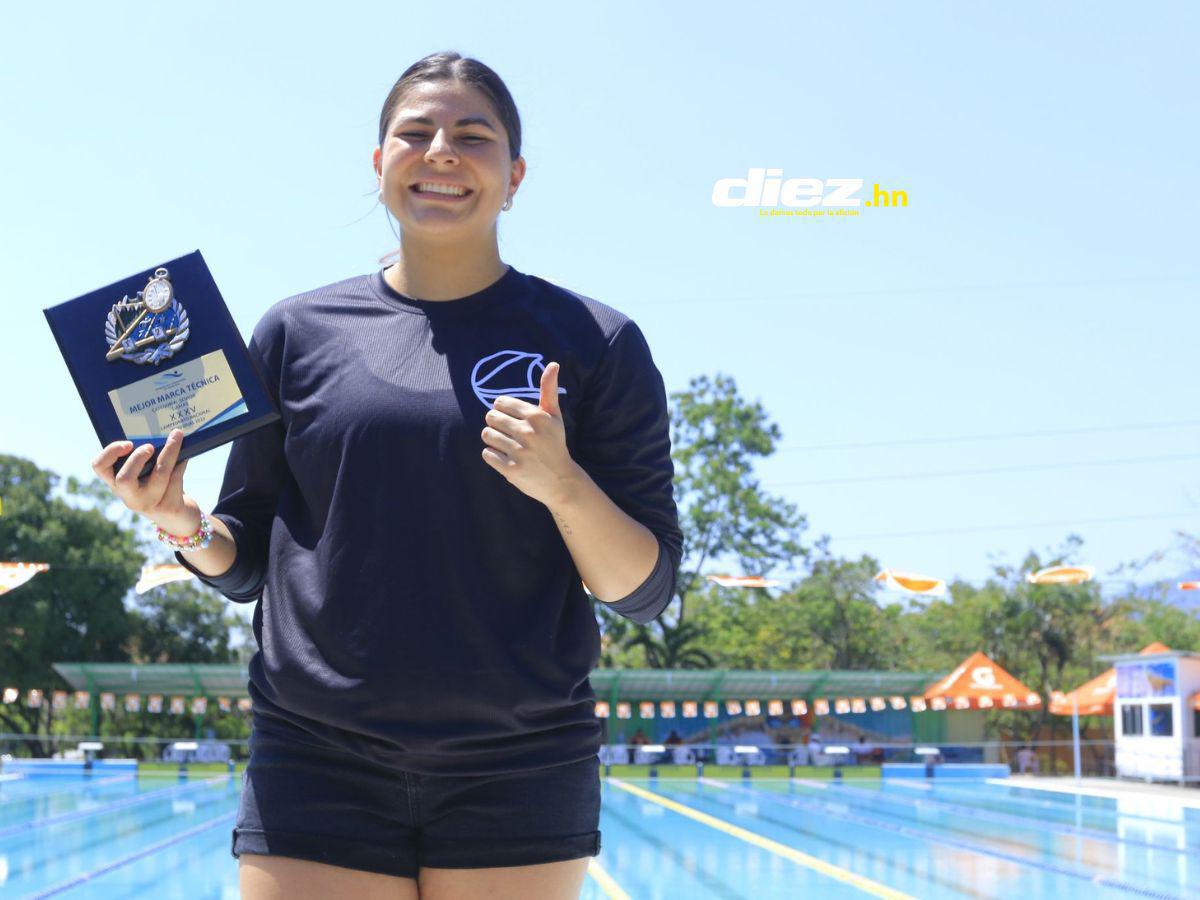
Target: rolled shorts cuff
(480,854)
(334,851)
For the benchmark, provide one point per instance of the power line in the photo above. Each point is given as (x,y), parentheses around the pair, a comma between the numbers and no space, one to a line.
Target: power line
(1000,470)
(1065,523)
(1184,423)
(871,292)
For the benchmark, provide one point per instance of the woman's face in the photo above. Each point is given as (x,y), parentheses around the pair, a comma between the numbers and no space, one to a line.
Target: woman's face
(445,133)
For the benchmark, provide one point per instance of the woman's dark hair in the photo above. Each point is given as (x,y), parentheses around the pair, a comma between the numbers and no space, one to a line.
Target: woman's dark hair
(451,66)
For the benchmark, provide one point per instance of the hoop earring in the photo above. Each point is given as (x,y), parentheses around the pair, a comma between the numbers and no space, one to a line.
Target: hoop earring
(507,203)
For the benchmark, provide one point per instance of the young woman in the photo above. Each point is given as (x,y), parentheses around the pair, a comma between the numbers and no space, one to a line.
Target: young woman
(461,447)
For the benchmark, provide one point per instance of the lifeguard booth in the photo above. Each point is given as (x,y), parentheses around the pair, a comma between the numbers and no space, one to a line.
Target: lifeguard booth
(1155,717)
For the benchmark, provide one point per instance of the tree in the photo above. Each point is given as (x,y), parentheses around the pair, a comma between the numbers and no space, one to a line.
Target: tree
(715,435)
(74,611)
(179,622)
(723,512)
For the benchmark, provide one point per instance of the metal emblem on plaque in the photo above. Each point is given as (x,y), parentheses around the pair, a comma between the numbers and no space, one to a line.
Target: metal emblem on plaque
(149,328)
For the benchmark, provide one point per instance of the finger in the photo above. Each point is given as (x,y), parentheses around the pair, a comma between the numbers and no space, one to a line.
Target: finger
(502,421)
(549,389)
(176,482)
(156,484)
(514,407)
(103,462)
(128,475)
(501,441)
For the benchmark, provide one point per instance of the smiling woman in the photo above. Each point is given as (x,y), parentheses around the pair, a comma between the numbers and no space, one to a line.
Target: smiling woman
(459,450)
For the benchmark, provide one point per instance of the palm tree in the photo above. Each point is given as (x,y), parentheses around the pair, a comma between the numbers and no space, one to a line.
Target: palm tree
(672,650)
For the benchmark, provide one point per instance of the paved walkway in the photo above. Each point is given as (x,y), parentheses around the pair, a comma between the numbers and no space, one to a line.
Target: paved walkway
(1106,787)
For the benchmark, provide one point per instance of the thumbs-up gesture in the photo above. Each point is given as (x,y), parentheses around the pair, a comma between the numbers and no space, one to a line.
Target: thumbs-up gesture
(527,444)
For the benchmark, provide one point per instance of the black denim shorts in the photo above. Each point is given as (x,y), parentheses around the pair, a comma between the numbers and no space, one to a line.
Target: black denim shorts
(303,798)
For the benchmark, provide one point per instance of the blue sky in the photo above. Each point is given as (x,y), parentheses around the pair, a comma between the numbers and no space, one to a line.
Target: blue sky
(1042,279)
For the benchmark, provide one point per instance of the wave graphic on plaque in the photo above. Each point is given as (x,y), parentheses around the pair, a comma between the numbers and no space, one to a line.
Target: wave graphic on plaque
(509,373)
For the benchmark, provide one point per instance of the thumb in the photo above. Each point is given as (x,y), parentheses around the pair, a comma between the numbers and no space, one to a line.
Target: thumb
(175,482)
(549,397)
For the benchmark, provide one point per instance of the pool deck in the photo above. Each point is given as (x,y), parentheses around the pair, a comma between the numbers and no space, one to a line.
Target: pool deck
(1106,787)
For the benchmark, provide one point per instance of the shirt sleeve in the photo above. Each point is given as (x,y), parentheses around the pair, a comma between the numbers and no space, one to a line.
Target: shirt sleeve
(624,443)
(254,476)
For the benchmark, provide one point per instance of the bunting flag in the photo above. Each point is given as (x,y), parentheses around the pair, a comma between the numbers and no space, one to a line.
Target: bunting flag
(733,707)
(1095,697)
(34,699)
(624,711)
(1061,575)
(58,701)
(799,708)
(753,708)
(159,574)
(878,704)
(199,705)
(841,705)
(751,581)
(223,704)
(667,709)
(979,677)
(689,709)
(897,702)
(774,707)
(133,702)
(244,704)
(910,583)
(154,703)
(11,694)
(711,709)
(82,699)
(108,700)
(176,706)
(821,707)
(15,574)
(917,704)
(601,709)
(858,705)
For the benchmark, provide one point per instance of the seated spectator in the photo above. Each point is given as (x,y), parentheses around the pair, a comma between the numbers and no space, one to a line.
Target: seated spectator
(673,738)
(1027,761)
(639,737)
(863,751)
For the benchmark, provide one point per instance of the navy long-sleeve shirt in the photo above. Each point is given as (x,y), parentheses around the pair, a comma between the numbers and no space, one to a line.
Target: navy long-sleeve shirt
(411,604)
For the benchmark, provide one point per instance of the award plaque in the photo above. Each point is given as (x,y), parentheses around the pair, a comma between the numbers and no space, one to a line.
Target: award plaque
(158,351)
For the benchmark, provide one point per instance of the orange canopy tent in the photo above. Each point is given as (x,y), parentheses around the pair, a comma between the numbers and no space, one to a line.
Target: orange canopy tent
(1095,698)
(980,683)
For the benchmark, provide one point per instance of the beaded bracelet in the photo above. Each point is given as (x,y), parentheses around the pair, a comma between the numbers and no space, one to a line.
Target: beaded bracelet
(195,541)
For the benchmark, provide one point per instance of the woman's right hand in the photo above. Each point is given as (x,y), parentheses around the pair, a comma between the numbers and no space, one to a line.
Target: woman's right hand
(160,497)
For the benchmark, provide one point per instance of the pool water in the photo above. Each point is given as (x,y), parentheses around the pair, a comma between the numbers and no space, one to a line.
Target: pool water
(120,835)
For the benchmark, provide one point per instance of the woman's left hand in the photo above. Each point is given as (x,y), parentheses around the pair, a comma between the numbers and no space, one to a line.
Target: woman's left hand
(527,444)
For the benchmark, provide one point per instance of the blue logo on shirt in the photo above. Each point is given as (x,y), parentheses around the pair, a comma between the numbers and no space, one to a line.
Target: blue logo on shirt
(511,373)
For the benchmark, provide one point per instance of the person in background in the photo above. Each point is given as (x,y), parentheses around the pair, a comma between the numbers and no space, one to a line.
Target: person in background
(1027,761)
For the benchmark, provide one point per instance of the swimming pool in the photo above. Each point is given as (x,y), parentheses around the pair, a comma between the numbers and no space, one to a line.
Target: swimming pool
(118,835)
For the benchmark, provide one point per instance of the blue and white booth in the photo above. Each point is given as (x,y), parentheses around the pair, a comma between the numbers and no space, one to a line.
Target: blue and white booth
(1157,727)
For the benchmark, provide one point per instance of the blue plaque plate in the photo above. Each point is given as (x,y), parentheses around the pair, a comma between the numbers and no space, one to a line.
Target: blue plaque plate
(158,351)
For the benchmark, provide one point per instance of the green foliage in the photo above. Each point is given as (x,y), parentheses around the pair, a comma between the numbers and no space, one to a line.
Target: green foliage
(76,611)
(724,514)
(179,622)
(1048,636)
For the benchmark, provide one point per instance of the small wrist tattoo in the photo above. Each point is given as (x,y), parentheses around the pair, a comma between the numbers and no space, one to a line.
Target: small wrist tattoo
(562,523)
